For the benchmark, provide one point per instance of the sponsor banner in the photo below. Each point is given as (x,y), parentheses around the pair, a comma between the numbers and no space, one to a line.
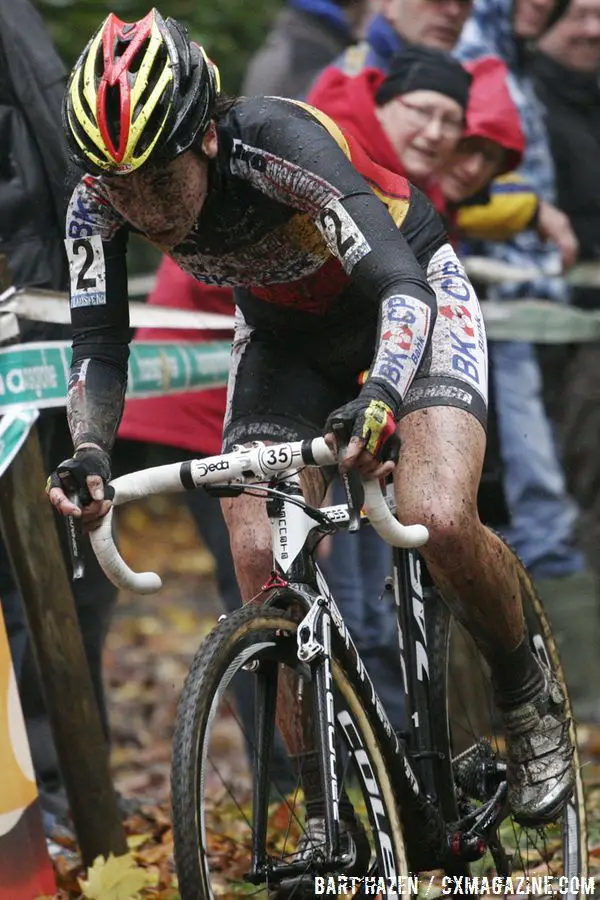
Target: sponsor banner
(14,429)
(35,376)
(25,868)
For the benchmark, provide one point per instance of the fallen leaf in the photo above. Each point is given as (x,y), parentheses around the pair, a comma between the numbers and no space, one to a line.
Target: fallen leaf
(134,841)
(115,878)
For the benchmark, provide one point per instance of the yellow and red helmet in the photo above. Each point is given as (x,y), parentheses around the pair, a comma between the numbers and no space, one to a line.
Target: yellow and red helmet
(139,91)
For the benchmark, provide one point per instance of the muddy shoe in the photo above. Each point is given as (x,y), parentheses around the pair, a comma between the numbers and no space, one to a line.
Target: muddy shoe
(540,756)
(354,848)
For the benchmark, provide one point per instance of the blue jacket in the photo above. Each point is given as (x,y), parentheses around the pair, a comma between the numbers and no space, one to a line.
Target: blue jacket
(489,31)
(380,44)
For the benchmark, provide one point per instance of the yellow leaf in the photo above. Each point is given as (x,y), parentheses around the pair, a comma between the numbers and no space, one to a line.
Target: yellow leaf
(115,878)
(136,840)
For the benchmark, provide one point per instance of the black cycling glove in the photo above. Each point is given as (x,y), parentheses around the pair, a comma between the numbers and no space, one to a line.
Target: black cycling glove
(371,420)
(71,474)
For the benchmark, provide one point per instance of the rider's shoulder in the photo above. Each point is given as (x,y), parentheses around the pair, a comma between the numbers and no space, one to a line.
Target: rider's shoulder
(90,211)
(269,123)
(266,113)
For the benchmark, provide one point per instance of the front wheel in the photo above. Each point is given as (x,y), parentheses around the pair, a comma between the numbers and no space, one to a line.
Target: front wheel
(212,786)
(467,730)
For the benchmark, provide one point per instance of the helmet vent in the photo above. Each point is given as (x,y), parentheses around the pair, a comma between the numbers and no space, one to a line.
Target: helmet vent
(86,107)
(160,61)
(134,65)
(112,105)
(151,128)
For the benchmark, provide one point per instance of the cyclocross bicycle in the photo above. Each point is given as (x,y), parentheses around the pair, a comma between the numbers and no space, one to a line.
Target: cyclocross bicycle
(429,799)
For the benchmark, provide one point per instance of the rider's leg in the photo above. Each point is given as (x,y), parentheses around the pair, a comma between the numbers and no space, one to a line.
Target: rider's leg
(436,484)
(438,477)
(250,533)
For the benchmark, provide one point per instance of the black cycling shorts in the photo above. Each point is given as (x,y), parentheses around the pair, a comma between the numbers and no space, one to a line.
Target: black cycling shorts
(284,382)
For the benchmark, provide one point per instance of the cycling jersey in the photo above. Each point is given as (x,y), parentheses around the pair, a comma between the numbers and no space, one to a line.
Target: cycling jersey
(300,219)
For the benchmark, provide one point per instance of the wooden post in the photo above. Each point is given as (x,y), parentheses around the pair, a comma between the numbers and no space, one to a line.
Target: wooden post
(31,539)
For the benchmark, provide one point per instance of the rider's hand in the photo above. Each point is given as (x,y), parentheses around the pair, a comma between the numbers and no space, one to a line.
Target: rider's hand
(553,225)
(83,477)
(373,445)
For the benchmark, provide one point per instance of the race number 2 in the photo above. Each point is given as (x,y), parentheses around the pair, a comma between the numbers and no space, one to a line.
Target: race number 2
(342,235)
(87,271)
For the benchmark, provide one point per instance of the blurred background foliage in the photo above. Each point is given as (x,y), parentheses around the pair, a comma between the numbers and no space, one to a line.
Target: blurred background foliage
(230,30)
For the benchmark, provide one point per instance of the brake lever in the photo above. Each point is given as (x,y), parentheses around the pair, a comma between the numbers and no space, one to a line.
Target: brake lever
(351,481)
(74,540)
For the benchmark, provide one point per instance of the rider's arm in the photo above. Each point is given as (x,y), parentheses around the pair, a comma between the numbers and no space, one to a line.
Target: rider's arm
(304,161)
(96,246)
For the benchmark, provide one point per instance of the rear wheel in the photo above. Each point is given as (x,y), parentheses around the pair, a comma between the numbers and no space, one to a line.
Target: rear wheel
(212,784)
(467,729)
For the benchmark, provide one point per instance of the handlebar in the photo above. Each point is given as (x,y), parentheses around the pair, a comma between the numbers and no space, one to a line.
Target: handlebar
(251,464)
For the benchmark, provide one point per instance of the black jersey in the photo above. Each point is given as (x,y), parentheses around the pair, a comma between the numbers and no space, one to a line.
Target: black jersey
(296,213)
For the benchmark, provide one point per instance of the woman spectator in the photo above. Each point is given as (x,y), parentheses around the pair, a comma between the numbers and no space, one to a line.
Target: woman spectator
(409,121)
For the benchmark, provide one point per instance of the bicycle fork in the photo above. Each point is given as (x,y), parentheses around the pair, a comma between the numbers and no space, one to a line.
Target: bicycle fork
(314,648)
(314,655)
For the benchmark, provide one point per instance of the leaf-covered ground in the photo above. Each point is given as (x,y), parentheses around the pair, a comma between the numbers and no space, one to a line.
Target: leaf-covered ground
(149,649)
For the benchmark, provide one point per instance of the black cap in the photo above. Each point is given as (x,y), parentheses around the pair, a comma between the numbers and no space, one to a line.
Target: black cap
(423,69)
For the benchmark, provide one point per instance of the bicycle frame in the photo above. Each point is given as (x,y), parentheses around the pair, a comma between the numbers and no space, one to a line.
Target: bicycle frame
(297,579)
(411,757)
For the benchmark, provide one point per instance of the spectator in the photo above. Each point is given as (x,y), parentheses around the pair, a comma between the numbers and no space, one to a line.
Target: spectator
(372,107)
(33,195)
(400,23)
(566,71)
(306,36)
(492,142)
(542,514)
(492,145)
(409,121)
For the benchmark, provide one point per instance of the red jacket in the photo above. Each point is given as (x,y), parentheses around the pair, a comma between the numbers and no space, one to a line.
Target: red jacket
(350,102)
(193,420)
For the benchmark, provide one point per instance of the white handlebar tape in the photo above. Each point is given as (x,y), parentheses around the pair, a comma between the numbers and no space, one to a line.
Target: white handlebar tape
(384,523)
(114,567)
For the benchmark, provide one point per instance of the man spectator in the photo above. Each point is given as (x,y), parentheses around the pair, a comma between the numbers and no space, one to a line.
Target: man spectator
(306,36)
(566,76)
(33,172)
(430,23)
(566,72)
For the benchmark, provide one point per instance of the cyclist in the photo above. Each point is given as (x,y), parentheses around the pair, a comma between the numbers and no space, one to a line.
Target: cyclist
(339,266)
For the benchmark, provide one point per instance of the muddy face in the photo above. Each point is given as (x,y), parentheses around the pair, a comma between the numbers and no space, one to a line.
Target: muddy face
(164,201)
